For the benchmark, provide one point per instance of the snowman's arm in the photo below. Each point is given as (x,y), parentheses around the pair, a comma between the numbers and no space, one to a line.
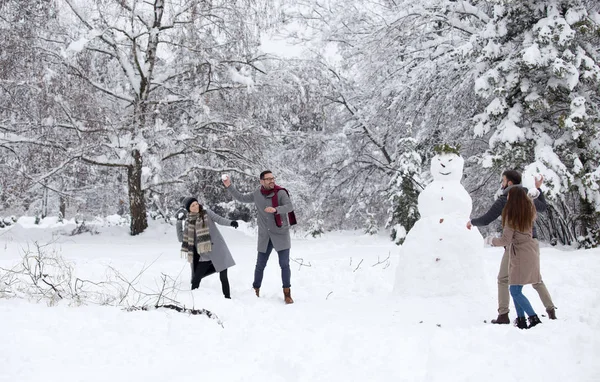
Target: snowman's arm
(493,213)
(540,202)
(507,238)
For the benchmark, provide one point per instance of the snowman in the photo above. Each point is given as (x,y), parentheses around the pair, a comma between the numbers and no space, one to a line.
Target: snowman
(440,256)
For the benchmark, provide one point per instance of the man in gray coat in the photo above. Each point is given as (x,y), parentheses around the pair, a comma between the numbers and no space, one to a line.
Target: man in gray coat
(510,179)
(275,215)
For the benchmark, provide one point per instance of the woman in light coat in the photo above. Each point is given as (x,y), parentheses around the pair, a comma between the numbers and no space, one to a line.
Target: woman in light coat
(518,217)
(202,243)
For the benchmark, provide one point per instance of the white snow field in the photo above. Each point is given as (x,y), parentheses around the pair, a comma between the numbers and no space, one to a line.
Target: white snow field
(346,323)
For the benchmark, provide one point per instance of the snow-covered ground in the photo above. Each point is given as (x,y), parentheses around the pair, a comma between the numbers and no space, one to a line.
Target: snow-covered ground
(346,323)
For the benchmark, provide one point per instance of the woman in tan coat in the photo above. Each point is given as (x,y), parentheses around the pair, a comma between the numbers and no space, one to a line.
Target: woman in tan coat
(524,262)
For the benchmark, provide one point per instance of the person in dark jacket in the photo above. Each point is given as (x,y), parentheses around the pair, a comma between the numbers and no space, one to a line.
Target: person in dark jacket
(510,179)
(202,243)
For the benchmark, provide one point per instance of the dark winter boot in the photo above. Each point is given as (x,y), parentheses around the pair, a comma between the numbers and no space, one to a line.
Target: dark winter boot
(551,313)
(533,321)
(257,292)
(502,319)
(522,322)
(287,296)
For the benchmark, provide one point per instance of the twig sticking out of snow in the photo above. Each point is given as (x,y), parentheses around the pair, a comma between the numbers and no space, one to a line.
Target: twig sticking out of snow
(385,261)
(358,266)
(45,276)
(301,263)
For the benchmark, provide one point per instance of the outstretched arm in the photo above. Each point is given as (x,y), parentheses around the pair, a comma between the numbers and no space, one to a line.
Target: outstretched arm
(217,218)
(244,198)
(506,239)
(494,212)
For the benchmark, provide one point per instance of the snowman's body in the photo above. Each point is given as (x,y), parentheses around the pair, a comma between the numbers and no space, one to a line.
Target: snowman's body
(440,256)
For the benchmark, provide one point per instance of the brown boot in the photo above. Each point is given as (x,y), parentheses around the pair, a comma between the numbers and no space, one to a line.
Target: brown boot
(551,313)
(287,296)
(502,319)
(257,292)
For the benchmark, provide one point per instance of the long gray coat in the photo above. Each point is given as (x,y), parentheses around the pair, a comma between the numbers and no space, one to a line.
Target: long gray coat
(267,228)
(219,255)
(524,256)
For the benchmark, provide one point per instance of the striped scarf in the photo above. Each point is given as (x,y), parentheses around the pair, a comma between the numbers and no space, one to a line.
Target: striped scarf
(198,228)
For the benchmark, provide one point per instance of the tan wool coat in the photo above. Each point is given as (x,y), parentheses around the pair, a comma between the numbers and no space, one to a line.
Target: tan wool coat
(524,256)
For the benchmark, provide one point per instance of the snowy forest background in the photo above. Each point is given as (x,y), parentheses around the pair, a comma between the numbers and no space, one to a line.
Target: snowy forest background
(125,106)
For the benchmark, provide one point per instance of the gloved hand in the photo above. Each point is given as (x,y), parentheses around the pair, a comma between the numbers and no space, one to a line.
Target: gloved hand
(181,213)
(234,224)
(488,240)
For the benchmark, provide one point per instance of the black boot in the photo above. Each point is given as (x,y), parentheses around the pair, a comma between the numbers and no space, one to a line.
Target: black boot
(521,323)
(502,319)
(533,321)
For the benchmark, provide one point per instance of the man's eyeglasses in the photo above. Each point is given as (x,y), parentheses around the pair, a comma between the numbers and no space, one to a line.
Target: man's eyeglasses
(269,179)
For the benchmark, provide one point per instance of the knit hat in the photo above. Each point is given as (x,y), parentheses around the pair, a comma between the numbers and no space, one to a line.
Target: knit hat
(187,202)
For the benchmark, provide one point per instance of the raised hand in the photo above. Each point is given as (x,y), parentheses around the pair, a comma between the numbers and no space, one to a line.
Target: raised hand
(533,193)
(180,214)
(234,224)
(226,180)
(538,181)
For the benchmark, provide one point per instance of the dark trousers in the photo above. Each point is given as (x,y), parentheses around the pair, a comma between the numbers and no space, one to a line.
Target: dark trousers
(261,263)
(201,269)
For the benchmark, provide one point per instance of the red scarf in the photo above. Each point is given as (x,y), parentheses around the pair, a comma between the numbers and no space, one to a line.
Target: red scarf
(275,204)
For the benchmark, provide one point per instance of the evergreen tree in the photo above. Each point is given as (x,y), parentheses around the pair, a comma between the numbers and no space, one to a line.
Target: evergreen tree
(404,189)
(540,77)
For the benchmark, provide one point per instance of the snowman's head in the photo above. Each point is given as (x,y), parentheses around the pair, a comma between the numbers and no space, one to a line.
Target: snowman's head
(447,167)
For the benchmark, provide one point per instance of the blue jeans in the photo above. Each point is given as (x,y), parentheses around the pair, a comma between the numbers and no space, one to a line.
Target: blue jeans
(261,263)
(522,304)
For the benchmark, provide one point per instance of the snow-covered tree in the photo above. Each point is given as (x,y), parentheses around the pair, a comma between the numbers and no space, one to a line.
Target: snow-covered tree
(31,151)
(395,73)
(156,77)
(540,76)
(405,188)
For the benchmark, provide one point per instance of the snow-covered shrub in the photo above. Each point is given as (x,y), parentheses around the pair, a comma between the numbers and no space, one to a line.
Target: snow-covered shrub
(371,224)
(83,228)
(316,227)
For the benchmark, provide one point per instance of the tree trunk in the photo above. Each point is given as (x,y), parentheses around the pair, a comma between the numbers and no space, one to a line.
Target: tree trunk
(589,224)
(62,207)
(44,203)
(137,204)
